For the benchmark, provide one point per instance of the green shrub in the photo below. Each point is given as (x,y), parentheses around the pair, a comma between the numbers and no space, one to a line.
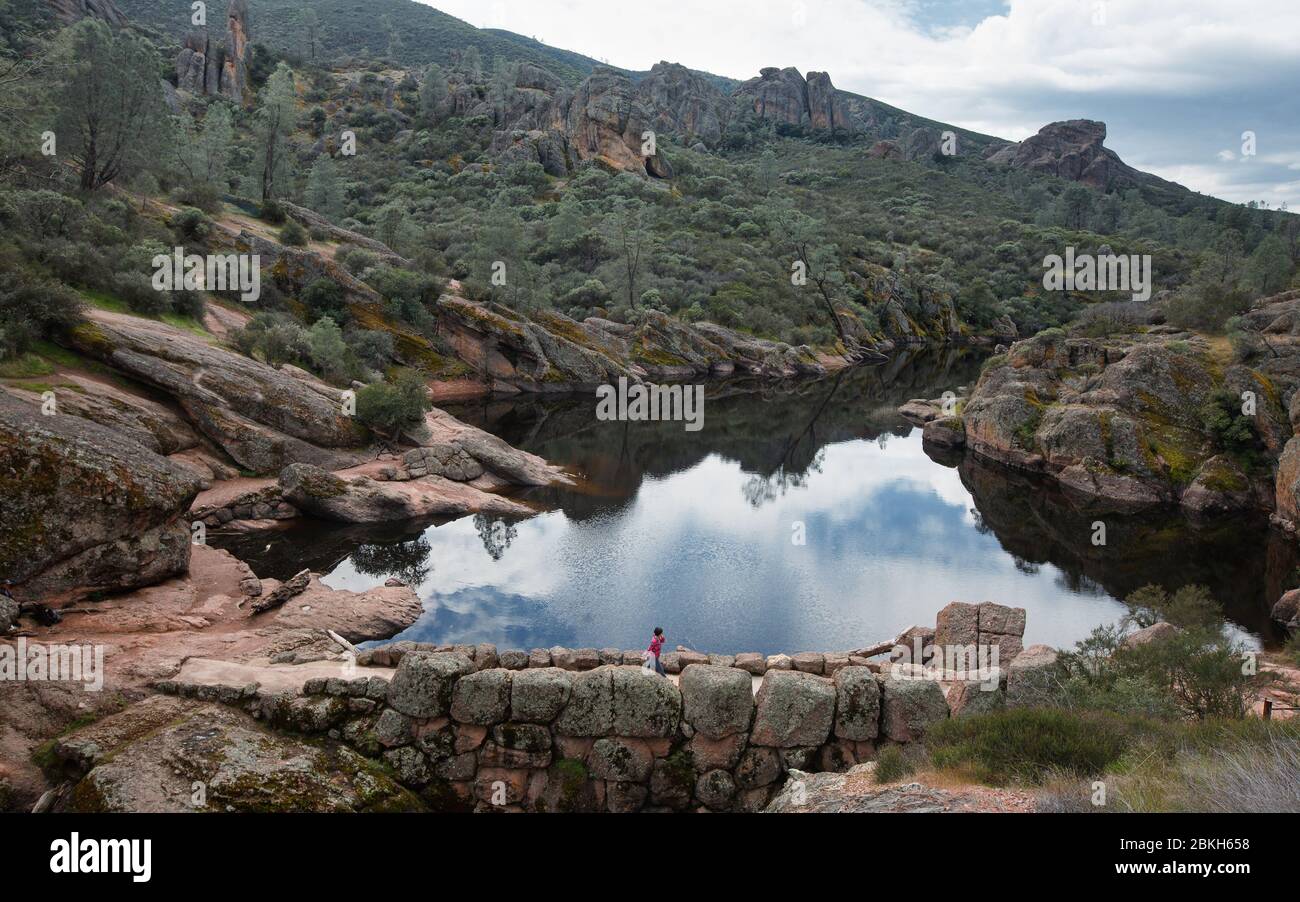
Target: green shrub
(892,765)
(329,353)
(273,212)
(388,407)
(191,223)
(1027,745)
(292,234)
(324,297)
(1190,607)
(30,309)
(137,290)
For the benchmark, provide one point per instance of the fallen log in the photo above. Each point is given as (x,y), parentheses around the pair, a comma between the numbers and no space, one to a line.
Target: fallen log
(295,585)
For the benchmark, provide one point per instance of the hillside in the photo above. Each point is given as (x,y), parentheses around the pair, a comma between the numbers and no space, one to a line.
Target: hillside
(407,33)
(778,208)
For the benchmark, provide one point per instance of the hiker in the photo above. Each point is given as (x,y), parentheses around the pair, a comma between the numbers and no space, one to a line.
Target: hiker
(656,645)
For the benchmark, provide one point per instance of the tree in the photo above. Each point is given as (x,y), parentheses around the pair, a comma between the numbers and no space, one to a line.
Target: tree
(1269,269)
(311,31)
(277,117)
(1076,206)
(203,152)
(19,83)
(471,60)
(818,259)
(325,188)
(628,233)
(433,94)
(107,102)
(328,350)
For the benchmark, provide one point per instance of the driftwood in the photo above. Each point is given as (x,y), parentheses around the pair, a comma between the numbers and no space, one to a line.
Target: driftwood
(343,643)
(295,585)
(872,650)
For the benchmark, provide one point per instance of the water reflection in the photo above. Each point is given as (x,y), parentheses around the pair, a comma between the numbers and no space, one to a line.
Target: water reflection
(693,531)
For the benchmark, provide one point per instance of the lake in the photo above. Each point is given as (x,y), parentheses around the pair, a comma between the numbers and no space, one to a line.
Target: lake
(699,532)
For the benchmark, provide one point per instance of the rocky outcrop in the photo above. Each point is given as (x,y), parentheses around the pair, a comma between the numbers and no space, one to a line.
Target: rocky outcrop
(207,66)
(359,499)
(606,121)
(86,508)
(607,115)
(76,10)
(551,352)
(910,312)
(150,758)
(262,417)
(1118,422)
(825,110)
(780,95)
(1074,150)
(685,103)
(857,792)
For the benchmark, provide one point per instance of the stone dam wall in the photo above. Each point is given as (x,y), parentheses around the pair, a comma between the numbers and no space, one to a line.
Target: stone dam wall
(471,729)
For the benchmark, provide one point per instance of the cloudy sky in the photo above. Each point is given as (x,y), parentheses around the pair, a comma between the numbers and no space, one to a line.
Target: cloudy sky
(1176,81)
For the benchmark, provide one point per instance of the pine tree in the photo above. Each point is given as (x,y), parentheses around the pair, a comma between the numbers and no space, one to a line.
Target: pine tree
(433,95)
(276,119)
(109,114)
(1270,267)
(325,189)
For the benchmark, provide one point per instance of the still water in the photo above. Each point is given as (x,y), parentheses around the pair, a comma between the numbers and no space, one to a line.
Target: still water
(697,531)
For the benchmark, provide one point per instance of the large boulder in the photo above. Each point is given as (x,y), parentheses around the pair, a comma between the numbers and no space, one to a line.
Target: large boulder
(794,709)
(424,682)
(87,509)
(1074,150)
(644,704)
(1156,632)
(910,706)
(683,102)
(779,95)
(719,701)
(1287,608)
(606,121)
(482,698)
(857,704)
(590,711)
(539,694)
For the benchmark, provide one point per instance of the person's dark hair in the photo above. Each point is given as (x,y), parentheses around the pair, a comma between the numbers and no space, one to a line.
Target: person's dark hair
(659,630)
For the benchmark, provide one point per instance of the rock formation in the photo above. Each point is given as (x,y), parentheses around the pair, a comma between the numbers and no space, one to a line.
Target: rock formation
(779,95)
(606,116)
(1074,150)
(551,352)
(86,509)
(262,417)
(206,66)
(683,102)
(1119,422)
(75,10)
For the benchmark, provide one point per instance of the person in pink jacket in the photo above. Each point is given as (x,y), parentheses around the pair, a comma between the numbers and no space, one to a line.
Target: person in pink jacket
(656,646)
